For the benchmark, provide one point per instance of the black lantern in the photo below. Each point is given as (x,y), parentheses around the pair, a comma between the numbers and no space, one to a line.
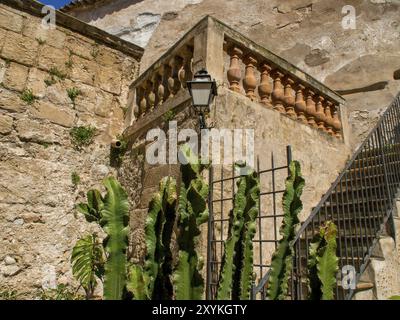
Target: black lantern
(202,90)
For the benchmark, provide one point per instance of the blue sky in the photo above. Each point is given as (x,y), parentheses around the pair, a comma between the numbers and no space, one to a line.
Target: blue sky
(56,3)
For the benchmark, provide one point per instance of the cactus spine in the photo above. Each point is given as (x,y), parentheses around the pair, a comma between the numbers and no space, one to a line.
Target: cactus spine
(323,263)
(237,269)
(282,259)
(192,212)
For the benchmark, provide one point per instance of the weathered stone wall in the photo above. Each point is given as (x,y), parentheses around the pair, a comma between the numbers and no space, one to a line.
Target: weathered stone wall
(38,222)
(307,33)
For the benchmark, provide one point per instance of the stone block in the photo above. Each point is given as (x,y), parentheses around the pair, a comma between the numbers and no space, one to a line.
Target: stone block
(108,57)
(20,48)
(31,130)
(83,70)
(80,47)
(33,29)
(15,77)
(46,110)
(11,101)
(53,58)
(36,82)
(108,79)
(6,124)
(10,20)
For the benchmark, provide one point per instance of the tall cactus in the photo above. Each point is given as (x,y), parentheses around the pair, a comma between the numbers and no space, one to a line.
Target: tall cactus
(192,212)
(282,259)
(323,263)
(115,219)
(237,269)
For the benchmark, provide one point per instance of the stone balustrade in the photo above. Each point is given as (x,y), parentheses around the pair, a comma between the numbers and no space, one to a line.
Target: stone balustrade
(245,68)
(164,80)
(268,83)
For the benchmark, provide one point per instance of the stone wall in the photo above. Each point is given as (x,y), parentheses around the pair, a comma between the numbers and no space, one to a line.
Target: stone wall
(308,33)
(38,222)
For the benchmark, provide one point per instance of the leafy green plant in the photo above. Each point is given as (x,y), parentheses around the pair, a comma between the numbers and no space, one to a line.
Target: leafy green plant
(40,41)
(153,281)
(237,269)
(323,263)
(169,115)
(73,93)
(192,212)
(82,136)
(92,209)
(50,82)
(75,179)
(9,295)
(88,263)
(28,96)
(281,264)
(55,72)
(111,212)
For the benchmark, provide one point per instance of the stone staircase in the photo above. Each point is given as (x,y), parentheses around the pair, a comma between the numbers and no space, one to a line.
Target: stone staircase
(363,204)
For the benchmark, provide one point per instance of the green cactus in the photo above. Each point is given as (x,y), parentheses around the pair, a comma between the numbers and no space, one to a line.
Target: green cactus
(192,212)
(323,263)
(282,259)
(115,219)
(153,281)
(237,270)
(138,283)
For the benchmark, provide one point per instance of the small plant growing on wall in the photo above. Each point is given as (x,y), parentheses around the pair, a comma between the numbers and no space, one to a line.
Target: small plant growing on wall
(169,115)
(117,151)
(75,179)
(55,72)
(73,93)
(28,97)
(82,136)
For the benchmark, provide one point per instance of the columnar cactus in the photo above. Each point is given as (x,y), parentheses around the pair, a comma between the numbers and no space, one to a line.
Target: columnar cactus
(236,273)
(323,263)
(153,281)
(192,212)
(282,259)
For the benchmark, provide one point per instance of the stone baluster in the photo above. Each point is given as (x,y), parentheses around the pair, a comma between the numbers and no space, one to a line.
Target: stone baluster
(184,73)
(265,88)
(329,118)
(320,114)
(151,97)
(181,74)
(161,86)
(172,78)
(142,101)
(289,98)
(310,104)
(337,125)
(278,98)
(235,72)
(250,81)
(300,104)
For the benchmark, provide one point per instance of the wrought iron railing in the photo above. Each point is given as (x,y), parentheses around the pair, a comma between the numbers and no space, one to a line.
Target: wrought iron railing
(221,198)
(359,202)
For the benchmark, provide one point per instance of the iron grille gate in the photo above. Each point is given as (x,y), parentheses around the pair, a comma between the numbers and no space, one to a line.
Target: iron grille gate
(221,197)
